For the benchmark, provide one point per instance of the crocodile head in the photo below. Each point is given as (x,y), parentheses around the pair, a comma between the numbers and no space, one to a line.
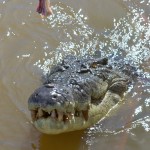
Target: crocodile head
(77,94)
(54,110)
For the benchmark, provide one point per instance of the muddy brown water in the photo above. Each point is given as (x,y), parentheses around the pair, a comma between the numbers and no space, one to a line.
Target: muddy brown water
(29,46)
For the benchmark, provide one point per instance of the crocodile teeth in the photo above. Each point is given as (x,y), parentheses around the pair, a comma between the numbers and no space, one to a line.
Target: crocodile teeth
(33,114)
(70,116)
(53,114)
(65,117)
(85,114)
(60,116)
(40,112)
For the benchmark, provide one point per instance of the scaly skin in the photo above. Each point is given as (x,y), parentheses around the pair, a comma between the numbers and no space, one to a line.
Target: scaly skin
(76,94)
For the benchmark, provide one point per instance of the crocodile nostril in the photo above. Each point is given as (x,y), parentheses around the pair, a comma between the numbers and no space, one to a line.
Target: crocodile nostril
(54,96)
(36,94)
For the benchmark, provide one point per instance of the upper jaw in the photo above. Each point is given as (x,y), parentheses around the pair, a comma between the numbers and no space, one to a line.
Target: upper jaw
(57,103)
(59,113)
(52,96)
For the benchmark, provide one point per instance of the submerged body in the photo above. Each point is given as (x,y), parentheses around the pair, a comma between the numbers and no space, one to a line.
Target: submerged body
(76,94)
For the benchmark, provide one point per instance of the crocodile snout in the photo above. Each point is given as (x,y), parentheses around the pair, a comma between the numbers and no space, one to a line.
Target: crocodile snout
(52,96)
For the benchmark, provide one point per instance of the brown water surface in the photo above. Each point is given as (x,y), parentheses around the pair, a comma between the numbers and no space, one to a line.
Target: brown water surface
(120,29)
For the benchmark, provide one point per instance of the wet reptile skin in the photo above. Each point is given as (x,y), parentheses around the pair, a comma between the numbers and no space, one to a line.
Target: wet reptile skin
(77,93)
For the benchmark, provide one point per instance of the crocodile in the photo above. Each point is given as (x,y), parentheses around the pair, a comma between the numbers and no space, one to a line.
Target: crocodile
(77,93)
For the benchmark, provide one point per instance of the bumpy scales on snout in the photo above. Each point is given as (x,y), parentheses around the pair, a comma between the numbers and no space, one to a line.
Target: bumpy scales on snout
(76,95)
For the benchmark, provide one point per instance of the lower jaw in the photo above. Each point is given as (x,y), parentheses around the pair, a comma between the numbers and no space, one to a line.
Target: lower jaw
(51,126)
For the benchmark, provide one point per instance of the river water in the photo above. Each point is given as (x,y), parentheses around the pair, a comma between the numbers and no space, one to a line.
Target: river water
(29,46)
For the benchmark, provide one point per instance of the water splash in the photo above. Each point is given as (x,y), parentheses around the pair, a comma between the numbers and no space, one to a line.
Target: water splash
(129,41)
(129,38)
